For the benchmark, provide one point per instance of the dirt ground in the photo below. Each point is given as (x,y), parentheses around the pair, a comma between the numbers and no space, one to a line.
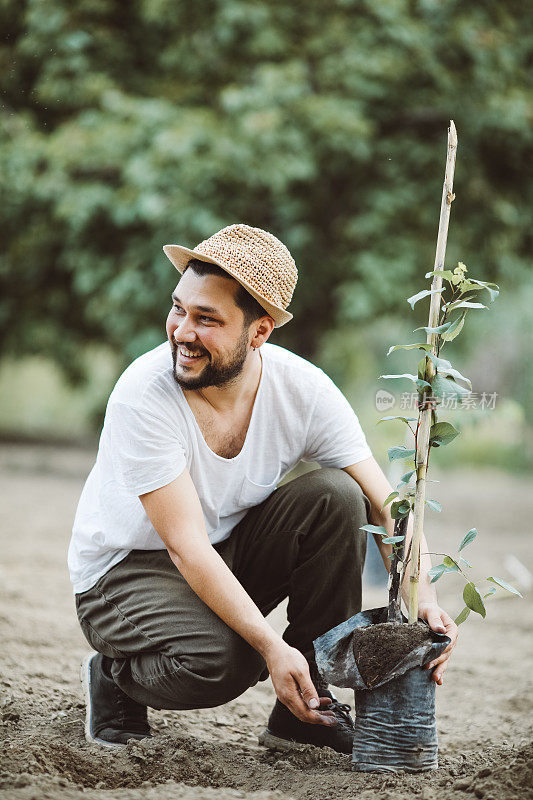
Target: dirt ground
(484,709)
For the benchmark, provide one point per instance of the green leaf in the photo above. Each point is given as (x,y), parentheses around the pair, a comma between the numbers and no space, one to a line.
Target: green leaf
(468,285)
(438,329)
(468,564)
(447,274)
(445,368)
(421,369)
(421,345)
(455,328)
(442,433)
(424,293)
(450,564)
(393,539)
(491,591)
(442,386)
(399,509)
(488,286)
(434,504)
(505,585)
(464,304)
(399,451)
(462,616)
(422,384)
(403,375)
(473,599)
(436,572)
(405,419)
(407,476)
(469,537)
(379,529)
(391,496)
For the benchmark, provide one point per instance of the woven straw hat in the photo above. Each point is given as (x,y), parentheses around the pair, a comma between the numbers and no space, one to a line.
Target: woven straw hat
(255,258)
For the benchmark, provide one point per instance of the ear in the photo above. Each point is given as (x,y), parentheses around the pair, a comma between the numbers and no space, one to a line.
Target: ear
(260,330)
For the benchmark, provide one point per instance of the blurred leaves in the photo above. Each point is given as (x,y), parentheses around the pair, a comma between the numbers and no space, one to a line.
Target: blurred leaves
(324,123)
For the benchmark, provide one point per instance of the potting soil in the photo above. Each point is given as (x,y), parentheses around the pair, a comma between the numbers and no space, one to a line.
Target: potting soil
(379,648)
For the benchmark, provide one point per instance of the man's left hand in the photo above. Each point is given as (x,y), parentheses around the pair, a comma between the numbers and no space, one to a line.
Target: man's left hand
(439,621)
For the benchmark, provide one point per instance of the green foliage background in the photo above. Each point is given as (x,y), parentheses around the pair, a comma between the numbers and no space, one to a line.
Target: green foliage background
(126,126)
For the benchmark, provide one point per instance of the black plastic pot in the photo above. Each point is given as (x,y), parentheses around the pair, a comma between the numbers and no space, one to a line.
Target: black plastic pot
(395,724)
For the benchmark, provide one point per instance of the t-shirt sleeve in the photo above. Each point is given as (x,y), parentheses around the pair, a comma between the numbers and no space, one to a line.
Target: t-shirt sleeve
(335,437)
(146,452)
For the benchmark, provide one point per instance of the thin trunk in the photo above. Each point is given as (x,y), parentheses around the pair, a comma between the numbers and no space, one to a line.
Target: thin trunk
(425,407)
(394,613)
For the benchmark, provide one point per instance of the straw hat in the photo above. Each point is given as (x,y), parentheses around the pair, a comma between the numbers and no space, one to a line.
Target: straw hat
(255,258)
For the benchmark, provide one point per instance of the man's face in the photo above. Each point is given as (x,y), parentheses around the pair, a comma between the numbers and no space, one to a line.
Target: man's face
(205,329)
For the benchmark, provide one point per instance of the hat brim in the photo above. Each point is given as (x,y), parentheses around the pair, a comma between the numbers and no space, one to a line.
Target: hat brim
(180,257)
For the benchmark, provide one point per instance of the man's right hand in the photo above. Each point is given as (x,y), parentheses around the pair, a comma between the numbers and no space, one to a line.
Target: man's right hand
(292,682)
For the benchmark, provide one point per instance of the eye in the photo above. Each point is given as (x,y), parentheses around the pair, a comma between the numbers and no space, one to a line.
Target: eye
(177,309)
(207,319)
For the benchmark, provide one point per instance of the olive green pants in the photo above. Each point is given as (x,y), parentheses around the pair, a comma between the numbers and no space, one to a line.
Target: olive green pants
(170,650)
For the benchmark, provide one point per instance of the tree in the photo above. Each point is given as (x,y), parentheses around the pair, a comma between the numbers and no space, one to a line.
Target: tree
(319,122)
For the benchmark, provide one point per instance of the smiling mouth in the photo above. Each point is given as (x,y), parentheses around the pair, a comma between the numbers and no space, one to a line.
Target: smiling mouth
(185,353)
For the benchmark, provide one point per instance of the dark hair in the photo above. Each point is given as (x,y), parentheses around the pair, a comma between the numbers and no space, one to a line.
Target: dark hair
(248,304)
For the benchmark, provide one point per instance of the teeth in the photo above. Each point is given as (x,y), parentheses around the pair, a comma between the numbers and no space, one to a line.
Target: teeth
(189,353)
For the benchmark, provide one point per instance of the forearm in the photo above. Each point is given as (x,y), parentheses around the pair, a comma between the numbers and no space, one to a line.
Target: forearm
(214,583)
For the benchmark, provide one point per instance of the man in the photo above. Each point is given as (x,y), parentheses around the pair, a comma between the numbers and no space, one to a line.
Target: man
(182,543)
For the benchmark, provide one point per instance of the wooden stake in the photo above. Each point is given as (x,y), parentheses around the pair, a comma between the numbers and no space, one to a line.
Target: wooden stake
(425,413)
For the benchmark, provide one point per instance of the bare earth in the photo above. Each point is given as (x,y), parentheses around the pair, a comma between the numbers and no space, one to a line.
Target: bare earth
(484,710)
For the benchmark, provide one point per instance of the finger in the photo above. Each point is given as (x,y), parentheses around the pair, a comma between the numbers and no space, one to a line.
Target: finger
(307,689)
(446,653)
(440,660)
(434,620)
(438,675)
(453,632)
(296,703)
(300,710)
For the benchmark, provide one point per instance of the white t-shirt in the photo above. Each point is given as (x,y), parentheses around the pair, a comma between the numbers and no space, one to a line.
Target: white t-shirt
(150,435)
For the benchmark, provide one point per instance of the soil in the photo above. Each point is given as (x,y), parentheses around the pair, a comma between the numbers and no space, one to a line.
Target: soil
(379,648)
(483,710)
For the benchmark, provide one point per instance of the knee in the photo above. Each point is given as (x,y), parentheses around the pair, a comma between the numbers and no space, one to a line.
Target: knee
(339,490)
(221,673)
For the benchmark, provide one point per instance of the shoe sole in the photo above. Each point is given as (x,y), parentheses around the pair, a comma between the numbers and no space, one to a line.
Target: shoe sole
(85,678)
(268,739)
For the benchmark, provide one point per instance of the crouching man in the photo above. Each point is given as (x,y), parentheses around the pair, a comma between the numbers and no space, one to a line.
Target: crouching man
(183,541)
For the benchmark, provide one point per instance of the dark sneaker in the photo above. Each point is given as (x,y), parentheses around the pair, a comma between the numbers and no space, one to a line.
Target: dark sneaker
(111,717)
(286,732)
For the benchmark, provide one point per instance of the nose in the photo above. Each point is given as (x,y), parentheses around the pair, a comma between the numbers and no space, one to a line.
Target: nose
(184,331)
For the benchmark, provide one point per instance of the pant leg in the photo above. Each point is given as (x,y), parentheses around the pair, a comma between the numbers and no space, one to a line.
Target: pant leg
(304,542)
(169,649)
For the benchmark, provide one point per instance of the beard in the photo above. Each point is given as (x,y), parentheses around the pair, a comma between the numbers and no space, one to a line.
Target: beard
(215,373)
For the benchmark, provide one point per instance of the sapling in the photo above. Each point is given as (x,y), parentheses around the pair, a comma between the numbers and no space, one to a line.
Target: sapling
(436,380)
(381,660)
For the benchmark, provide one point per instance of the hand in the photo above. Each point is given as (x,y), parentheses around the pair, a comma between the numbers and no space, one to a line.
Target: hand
(292,682)
(439,621)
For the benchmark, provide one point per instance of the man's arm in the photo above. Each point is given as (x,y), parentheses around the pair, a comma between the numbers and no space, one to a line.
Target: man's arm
(376,487)
(176,514)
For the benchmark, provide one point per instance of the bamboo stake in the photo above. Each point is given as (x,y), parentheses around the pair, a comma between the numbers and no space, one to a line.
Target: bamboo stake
(425,407)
